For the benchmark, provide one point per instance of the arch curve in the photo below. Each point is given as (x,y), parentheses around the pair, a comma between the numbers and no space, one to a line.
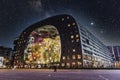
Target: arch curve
(70,42)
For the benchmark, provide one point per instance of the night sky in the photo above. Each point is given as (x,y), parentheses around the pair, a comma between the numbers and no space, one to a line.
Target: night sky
(101,17)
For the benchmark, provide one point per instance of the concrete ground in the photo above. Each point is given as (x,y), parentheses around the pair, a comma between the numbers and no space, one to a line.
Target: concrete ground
(46,74)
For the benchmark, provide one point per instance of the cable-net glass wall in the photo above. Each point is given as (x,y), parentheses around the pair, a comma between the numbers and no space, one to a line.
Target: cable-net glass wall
(43,46)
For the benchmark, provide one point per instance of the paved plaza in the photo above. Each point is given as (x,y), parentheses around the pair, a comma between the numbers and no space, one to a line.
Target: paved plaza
(44,74)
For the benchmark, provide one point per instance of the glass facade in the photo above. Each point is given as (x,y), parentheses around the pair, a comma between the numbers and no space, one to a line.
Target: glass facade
(115,53)
(43,46)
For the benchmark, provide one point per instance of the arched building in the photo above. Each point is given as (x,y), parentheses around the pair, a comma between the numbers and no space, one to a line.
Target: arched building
(60,41)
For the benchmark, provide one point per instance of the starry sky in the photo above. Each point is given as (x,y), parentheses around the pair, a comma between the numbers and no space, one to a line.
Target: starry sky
(100,17)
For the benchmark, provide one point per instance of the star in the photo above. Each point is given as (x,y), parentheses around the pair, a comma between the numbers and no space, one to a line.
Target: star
(91,23)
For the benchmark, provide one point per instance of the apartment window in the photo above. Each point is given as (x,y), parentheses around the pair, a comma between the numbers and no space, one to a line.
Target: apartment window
(24,32)
(73,23)
(73,57)
(62,19)
(93,58)
(63,57)
(75,27)
(68,57)
(87,41)
(73,50)
(58,64)
(68,25)
(22,36)
(89,57)
(84,56)
(77,40)
(72,36)
(79,63)
(68,17)
(73,64)
(76,31)
(72,41)
(68,64)
(63,64)
(77,35)
(79,56)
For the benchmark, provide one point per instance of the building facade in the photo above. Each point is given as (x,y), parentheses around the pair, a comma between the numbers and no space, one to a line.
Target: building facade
(95,53)
(59,41)
(5,57)
(115,51)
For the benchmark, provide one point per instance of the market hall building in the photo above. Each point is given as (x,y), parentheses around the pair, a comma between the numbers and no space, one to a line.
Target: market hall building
(59,41)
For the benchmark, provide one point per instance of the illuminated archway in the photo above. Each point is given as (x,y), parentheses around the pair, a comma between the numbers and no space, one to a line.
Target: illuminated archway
(68,39)
(43,46)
